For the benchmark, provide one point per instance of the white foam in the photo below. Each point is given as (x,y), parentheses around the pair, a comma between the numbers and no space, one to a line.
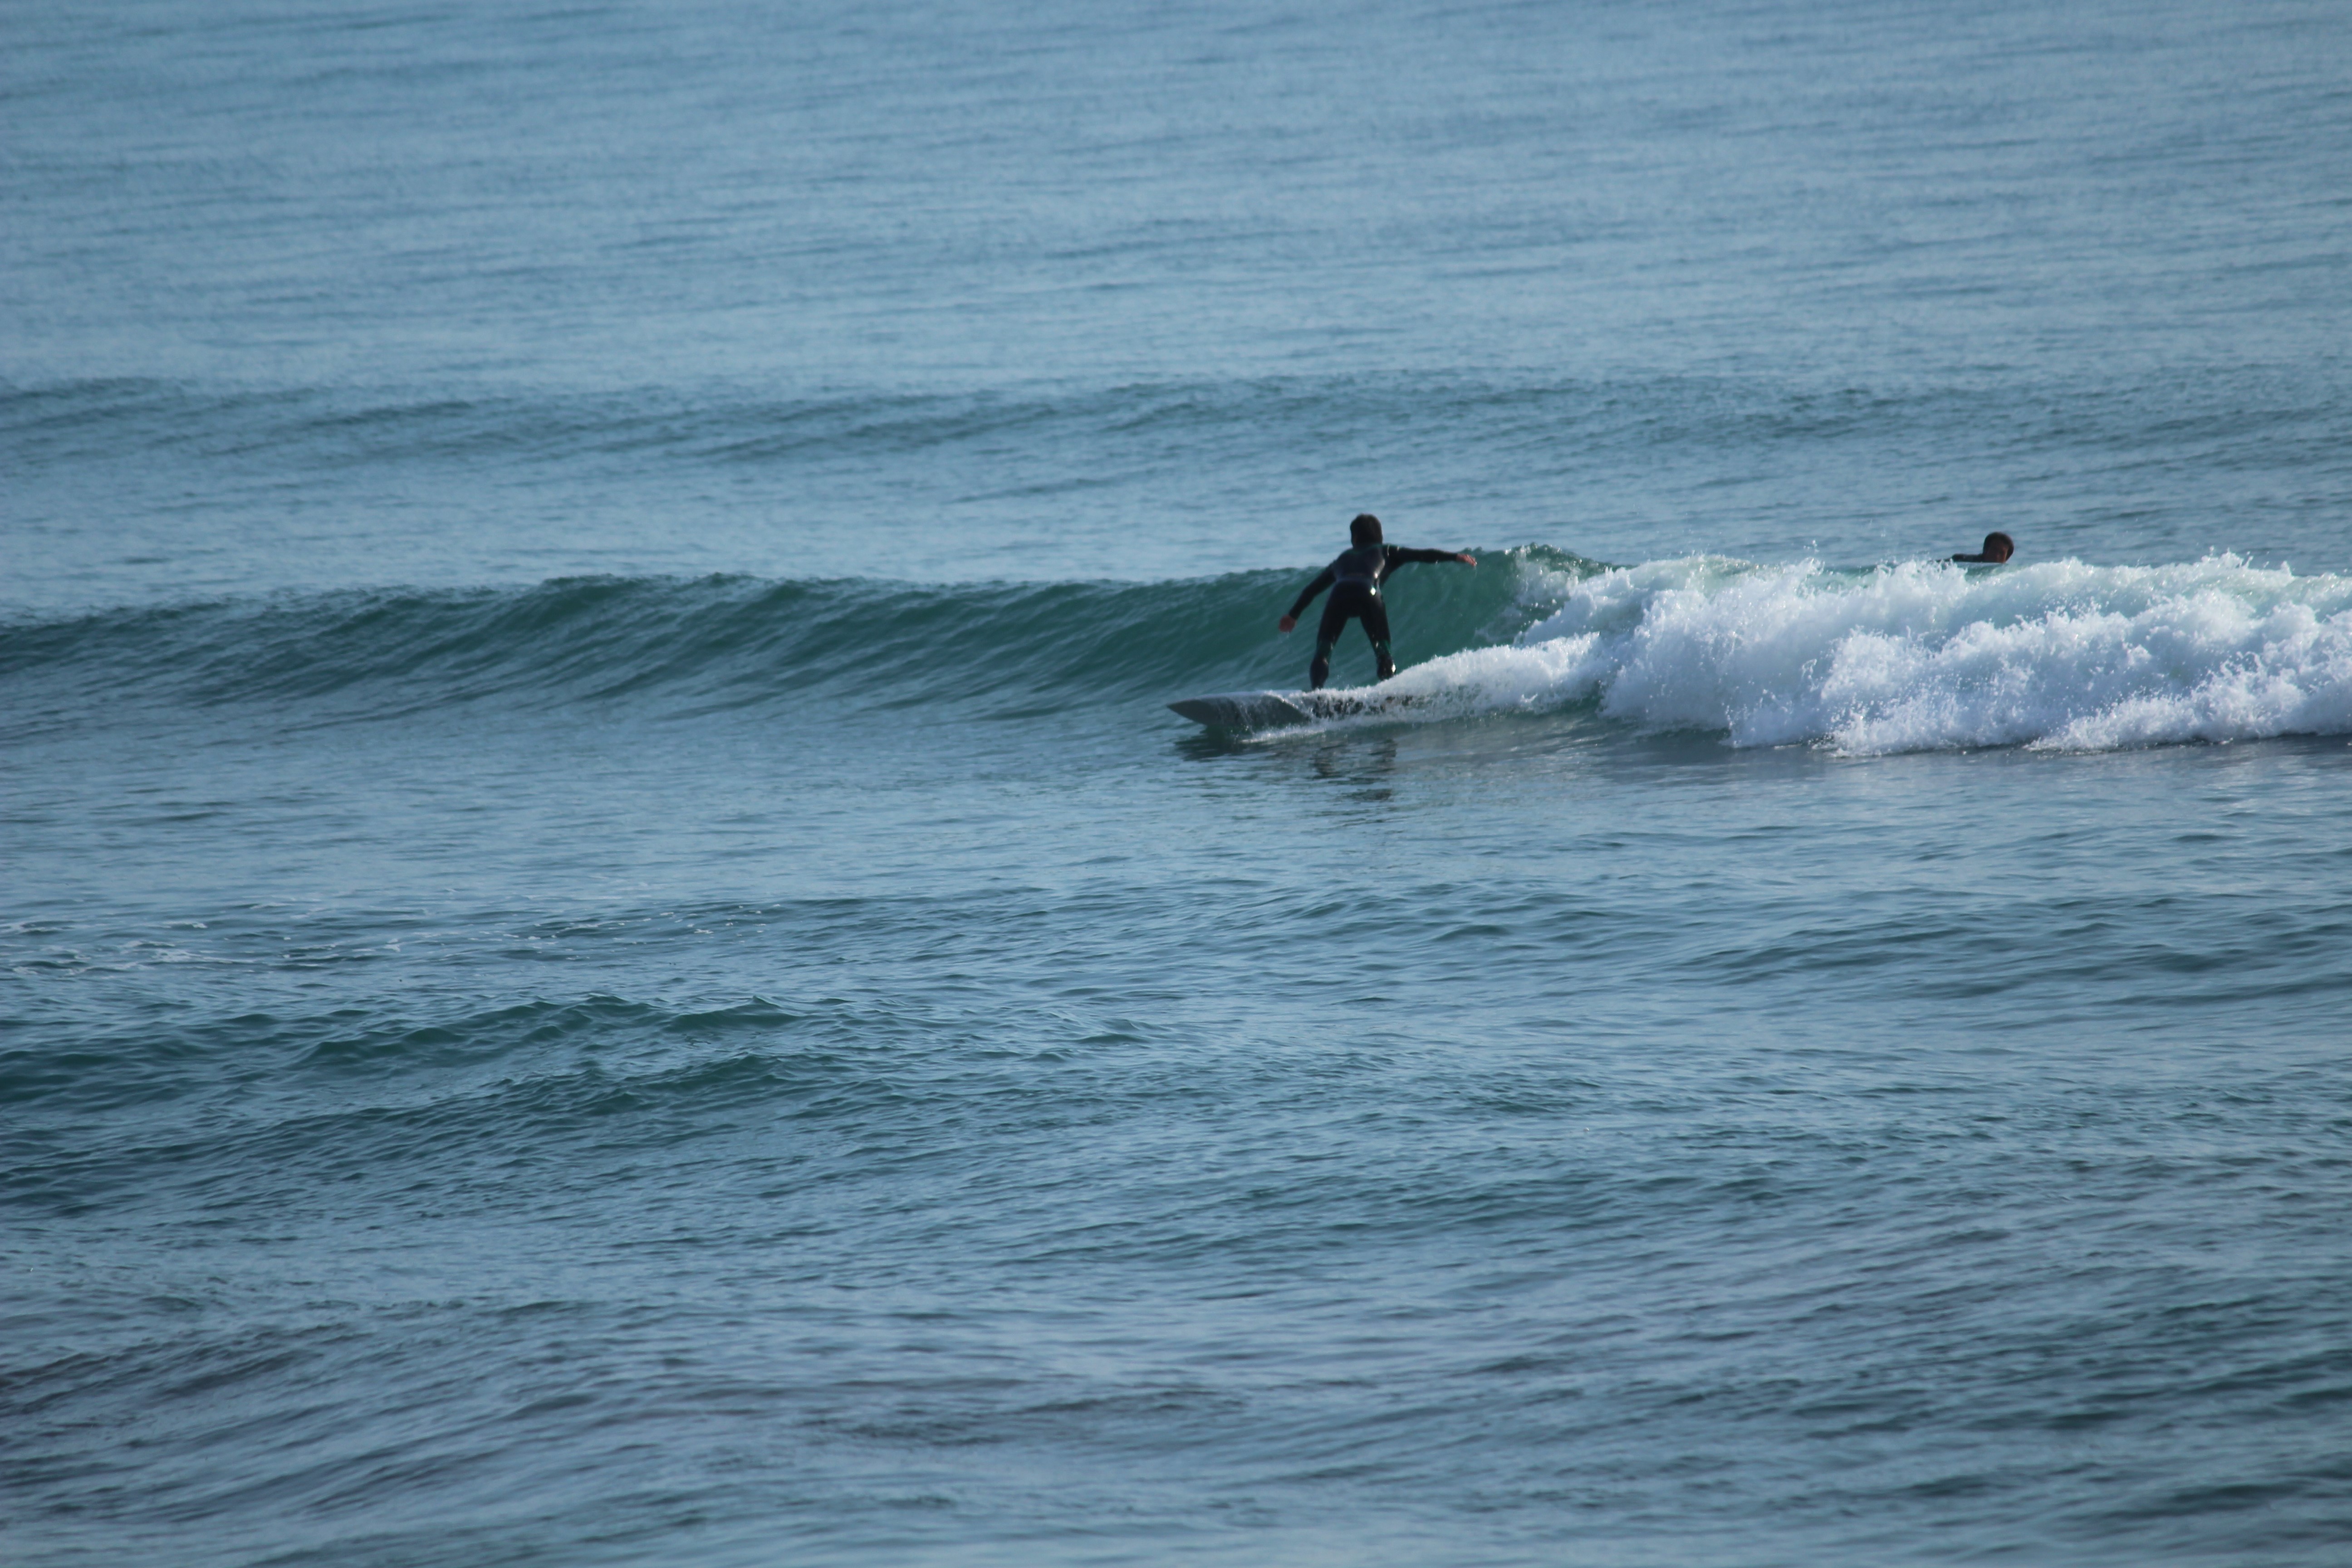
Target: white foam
(2059,654)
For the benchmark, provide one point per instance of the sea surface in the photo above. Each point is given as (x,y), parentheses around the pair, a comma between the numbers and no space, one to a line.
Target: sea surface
(609,956)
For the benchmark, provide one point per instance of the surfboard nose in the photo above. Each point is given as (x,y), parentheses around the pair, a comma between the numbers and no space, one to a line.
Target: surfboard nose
(1242,711)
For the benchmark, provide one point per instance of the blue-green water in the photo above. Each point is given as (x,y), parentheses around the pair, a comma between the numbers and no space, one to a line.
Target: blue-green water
(611,956)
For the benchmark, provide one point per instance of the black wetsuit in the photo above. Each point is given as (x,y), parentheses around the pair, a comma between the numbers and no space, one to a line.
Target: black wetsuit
(1354,580)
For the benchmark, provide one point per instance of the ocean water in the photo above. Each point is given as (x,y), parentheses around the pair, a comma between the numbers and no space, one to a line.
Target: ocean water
(608,953)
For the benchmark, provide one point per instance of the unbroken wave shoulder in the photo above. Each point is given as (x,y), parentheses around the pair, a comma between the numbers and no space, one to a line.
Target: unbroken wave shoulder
(686,645)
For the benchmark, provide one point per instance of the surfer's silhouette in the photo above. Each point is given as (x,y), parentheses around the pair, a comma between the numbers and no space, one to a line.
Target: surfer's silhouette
(1997,548)
(1354,580)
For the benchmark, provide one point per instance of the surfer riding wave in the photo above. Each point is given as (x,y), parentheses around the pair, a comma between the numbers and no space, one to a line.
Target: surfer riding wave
(1354,579)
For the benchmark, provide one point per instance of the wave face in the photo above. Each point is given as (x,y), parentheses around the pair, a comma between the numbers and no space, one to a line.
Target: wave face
(1922,656)
(722,642)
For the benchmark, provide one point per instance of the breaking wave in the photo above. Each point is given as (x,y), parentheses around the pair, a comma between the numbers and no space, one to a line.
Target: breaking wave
(1921,655)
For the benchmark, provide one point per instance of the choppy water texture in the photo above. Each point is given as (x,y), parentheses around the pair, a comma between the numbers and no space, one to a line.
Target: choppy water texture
(609,954)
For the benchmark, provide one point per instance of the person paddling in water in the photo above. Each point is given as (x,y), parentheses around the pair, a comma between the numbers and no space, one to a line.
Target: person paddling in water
(1999,547)
(1354,580)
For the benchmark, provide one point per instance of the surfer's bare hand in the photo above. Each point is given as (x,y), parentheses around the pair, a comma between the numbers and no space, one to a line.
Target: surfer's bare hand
(1288,622)
(1467,559)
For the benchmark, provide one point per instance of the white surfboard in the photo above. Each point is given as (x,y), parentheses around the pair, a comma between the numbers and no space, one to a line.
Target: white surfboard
(1248,710)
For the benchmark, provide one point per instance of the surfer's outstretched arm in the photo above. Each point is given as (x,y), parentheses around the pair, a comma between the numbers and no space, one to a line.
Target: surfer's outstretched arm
(1323,579)
(1399,555)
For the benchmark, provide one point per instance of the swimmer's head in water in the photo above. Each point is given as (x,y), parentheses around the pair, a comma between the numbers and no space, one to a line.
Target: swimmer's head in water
(1999,547)
(1365,530)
